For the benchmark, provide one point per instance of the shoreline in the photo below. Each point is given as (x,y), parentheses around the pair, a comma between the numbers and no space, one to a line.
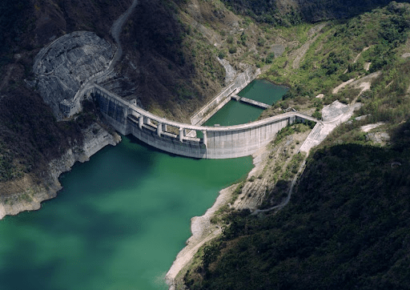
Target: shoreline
(203,230)
(31,195)
(201,225)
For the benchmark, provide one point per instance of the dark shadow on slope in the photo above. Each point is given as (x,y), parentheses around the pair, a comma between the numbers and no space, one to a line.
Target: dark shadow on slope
(346,227)
(169,62)
(281,13)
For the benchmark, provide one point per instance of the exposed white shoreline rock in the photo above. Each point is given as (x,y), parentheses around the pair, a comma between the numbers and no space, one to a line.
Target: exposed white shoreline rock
(95,138)
(202,231)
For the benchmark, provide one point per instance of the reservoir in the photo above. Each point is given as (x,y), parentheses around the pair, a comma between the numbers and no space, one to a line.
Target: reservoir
(236,113)
(263,91)
(119,222)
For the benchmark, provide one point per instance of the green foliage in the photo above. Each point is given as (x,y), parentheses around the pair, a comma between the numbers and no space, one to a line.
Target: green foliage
(293,166)
(305,11)
(345,227)
(29,140)
(335,50)
(289,130)
(317,114)
(12,21)
(344,77)
(221,54)
(232,49)
(261,41)
(244,37)
(269,58)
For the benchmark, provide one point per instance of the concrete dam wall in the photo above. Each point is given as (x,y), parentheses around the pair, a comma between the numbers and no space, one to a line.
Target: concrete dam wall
(172,137)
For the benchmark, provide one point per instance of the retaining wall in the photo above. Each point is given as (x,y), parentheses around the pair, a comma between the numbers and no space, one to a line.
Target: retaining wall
(240,82)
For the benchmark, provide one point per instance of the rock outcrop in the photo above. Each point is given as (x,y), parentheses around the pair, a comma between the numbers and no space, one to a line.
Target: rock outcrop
(95,138)
(67,63)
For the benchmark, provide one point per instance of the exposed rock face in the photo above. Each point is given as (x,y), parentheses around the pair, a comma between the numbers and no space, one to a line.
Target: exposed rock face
(378,137)
(68,62)
(95,138)
(334,110)
(230,71)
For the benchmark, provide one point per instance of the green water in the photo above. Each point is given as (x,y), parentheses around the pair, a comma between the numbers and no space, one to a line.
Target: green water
(236,113)
(121,218)
(263,91)
(117,225)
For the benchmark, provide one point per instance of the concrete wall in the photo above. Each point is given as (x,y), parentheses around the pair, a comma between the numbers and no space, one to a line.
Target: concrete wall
(217,143)
(240,82)
(114,110)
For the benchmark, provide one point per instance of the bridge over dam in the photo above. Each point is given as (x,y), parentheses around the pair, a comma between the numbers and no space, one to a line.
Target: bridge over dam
(250,102)
(172,137)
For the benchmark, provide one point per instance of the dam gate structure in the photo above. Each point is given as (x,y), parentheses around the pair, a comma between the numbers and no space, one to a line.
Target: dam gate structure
(216,143)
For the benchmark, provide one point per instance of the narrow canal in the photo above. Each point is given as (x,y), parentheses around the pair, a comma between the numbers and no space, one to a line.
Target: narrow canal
(118,223)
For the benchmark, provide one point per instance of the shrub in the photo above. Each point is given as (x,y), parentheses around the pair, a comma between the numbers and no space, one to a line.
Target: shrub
(344,78)
(230,39)
(233,49)
(221,54)
(317,115)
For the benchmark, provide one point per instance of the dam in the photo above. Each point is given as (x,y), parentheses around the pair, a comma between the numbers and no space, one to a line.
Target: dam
(181,139)
(120,220)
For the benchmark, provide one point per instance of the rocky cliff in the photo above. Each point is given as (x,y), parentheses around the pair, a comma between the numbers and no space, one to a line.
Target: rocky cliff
(68,62)
(28,194)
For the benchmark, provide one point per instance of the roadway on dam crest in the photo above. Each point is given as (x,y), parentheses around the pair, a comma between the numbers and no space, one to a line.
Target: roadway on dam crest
(216,143)
(174,137)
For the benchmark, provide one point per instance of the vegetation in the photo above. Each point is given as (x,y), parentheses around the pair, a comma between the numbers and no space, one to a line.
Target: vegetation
(346,227)
(289,130)
(11,23)
(29,140)
(331,58)
(279,12)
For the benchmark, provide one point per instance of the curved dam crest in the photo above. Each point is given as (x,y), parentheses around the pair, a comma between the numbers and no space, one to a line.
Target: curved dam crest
(216,143)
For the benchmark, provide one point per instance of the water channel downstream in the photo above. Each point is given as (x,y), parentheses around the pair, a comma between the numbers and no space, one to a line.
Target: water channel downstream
(118,223)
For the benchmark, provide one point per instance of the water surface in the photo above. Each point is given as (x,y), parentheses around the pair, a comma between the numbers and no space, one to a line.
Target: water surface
(121,218)
(119,222)
(263,91)
(236,113)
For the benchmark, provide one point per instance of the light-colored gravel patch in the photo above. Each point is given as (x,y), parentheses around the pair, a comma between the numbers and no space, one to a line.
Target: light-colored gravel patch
(341,86)
(370,127)
(320,96)
(357,57)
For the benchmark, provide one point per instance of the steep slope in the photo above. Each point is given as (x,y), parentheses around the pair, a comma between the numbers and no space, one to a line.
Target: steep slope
(346,225)
(30,137)
(290,12)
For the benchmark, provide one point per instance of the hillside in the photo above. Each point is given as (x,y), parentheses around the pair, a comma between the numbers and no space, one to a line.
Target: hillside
(346,225)
(163,75)
(169,63)
(345,228)
(286,13)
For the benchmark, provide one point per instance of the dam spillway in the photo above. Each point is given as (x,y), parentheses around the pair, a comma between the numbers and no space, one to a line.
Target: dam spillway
(180,139)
